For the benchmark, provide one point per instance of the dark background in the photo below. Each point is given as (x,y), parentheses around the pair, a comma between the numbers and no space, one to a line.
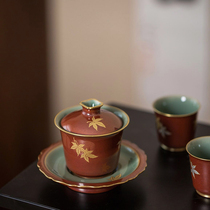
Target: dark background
(23,85)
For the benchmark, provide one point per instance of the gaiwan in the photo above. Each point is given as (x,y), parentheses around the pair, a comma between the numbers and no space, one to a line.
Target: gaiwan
(91,135)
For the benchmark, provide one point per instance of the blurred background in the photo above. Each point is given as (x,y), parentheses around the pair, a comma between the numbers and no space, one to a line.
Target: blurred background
(56,53)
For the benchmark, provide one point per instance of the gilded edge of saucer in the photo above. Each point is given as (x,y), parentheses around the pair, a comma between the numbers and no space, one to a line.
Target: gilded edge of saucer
(203,195)
(139,153)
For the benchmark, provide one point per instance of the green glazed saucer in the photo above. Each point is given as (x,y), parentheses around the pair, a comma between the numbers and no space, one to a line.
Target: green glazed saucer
(132,161)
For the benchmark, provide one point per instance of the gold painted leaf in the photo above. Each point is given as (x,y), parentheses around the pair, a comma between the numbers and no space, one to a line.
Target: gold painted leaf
(79,149)
(118,176)
(101,124)
(87,154)
(84,155)
(95,123)
(92,156)
(115,178)
(95,126)
(74,146)
(91,123)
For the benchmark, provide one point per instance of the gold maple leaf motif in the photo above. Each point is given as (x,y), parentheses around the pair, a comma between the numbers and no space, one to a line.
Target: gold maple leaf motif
(87,154)
(81,151)
(78,147)
(96,122)
(115,178)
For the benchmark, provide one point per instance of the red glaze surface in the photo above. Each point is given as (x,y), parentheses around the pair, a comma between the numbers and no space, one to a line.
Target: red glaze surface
(91,138)
(201,181)
(91,122)
(182,130)
(106,152)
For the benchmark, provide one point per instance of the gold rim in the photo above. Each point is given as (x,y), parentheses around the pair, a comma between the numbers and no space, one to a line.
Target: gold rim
(89,186)
(94,107)
(203,195)
(100,186)
(172,149)
(173,115)
(100,135)
(191,153)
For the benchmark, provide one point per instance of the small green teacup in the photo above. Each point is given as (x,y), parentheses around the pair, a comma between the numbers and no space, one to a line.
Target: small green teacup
(175,121)
(199,153)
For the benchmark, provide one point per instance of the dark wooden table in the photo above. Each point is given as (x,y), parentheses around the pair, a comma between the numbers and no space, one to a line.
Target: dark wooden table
(165,184)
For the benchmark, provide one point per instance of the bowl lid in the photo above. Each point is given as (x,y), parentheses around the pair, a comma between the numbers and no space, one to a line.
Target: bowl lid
(91,119)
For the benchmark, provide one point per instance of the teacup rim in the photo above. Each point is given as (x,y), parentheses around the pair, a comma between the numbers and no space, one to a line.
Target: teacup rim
(195,139)
(175,115)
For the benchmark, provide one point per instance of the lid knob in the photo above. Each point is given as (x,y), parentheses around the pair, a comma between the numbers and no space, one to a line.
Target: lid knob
(91,106)
(92,119)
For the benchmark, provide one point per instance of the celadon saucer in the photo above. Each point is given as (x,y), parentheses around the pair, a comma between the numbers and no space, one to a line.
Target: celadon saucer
(132,161)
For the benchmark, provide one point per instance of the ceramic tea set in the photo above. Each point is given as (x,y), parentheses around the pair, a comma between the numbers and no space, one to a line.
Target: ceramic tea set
(93,158)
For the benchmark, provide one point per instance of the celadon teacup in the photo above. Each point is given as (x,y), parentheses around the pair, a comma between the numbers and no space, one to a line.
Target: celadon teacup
(199,154)
(175,121)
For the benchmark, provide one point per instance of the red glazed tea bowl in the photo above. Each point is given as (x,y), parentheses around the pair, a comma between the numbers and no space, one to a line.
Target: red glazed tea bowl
(176,118)
(91,135)
(199,154)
